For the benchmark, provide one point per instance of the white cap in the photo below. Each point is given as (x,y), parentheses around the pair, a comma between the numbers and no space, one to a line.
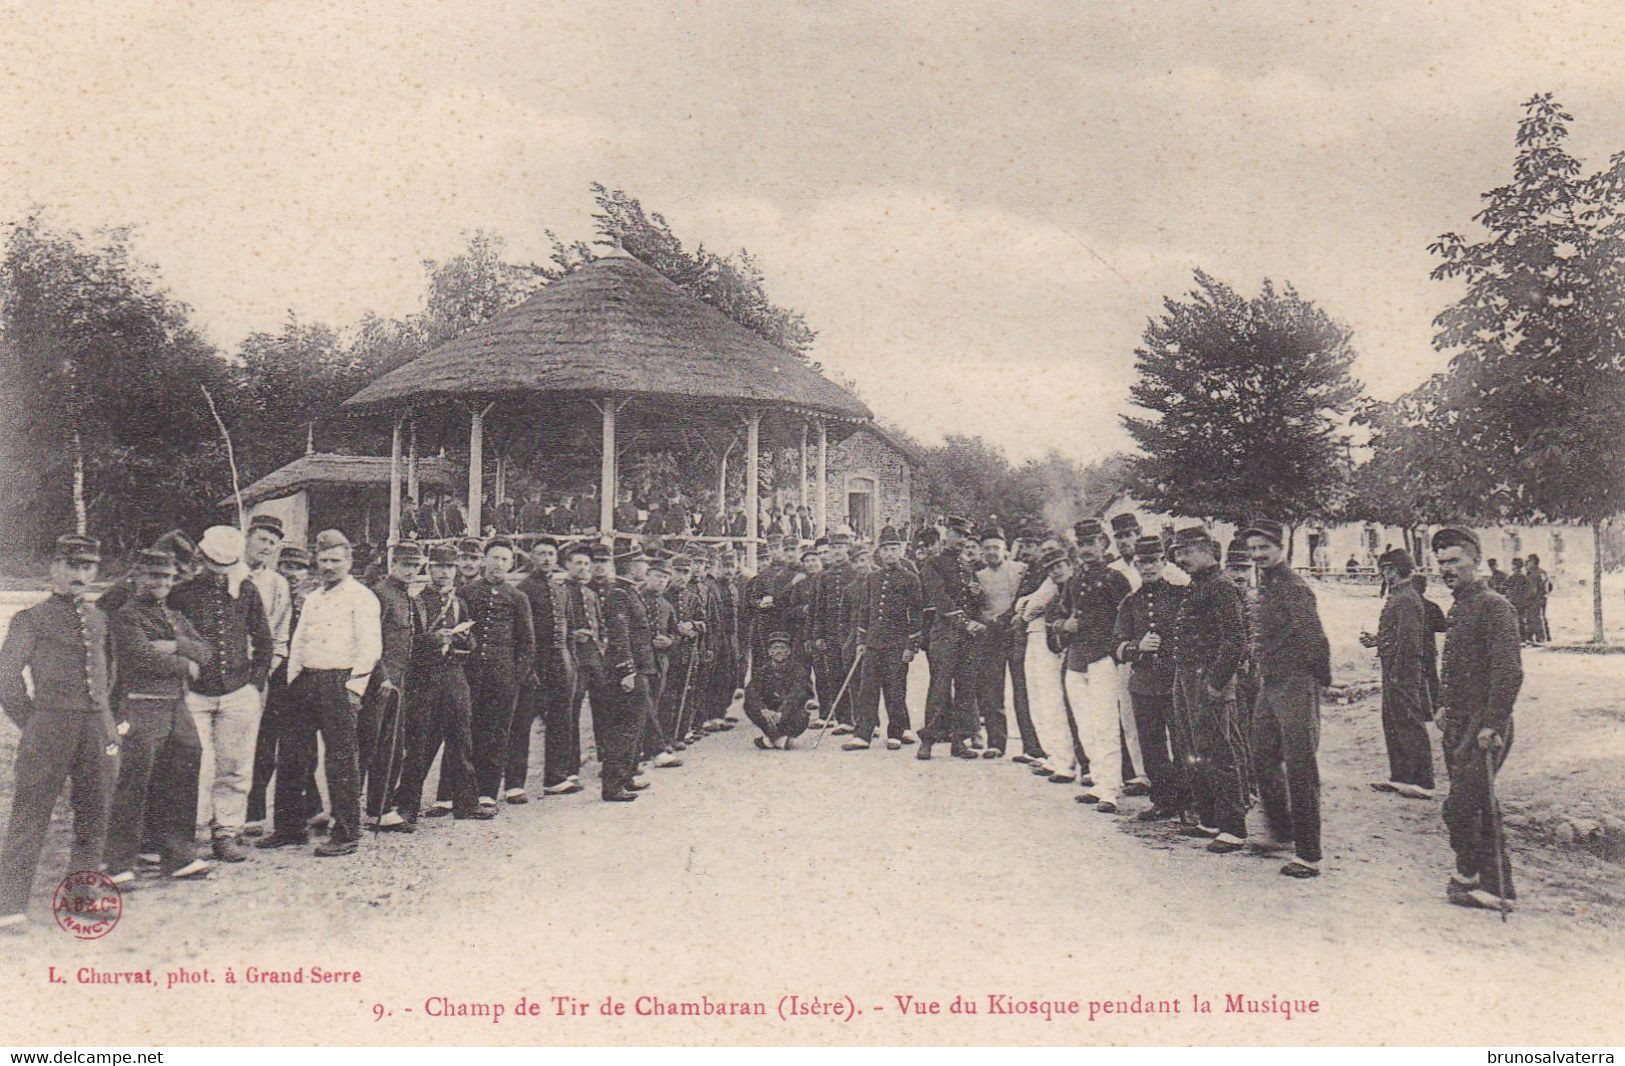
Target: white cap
(222,545)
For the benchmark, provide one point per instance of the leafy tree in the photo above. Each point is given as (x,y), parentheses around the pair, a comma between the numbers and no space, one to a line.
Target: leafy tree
(473,287)
(1247,400)
(1537,369)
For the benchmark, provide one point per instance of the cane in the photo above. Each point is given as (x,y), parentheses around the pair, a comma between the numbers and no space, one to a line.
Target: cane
(856,659)
(682,699)
(1496,837)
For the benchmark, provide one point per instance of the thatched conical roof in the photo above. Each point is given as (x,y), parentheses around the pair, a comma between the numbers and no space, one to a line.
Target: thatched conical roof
(327,470)
(614,326)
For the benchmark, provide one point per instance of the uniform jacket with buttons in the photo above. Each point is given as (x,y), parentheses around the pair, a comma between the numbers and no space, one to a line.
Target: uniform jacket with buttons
(143,670)
(1210,631)
(1151,608)
(399,626)
(1483,660)
(65,646)
(951,591)
(628,639)
(441,610)
(888,609)
(1091,597)
(549,623)
(1291,639)
(502,628)
(234,628)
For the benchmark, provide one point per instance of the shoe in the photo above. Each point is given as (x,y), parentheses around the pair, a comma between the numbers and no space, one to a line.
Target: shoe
(993,753)
(764,743)
(962,750)
(1086,797)
(196,870)
(1415,792)
(1041,769)
(123,877)
(226,849)
(253,829)
(909,737)
(1224,844)
(924,754)
(1267,845)
(1058,778)
(1197,831)
(487,801)
(855,745)
(1300,869)
(390,820)
(515,796)
(13,924)
(841,730)
(636,785)
(563,788)
(1023,758)
(475,815)
(1385,786)
(1157,814)
(1484,899)
(333,848)
(666,759)
(678,745)
(402,826)
(1137,787)
(319,821)
(620,796)
(1457,887)
(1105,807)
(817,723)
(149,858)
(437,811)
(1086,781)
(279,840)
(893,744)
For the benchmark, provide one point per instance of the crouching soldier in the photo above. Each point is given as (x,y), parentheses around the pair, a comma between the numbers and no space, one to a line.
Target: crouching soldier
(779,697)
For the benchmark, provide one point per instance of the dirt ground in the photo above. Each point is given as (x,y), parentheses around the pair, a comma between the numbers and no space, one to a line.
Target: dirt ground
(750,876)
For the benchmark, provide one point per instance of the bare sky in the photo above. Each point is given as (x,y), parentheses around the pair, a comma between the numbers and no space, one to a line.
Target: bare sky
(977,205)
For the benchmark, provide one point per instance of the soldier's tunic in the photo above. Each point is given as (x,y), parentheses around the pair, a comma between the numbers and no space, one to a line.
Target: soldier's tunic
(584,628)
(67,733)
(729,672)
(662,623)
(1152,608)
(1209,637)
(707,709)
(274,730)
(1091,599)
(829,656)
(951,590)
(618,715)
(1483,672)
(776,697)
(682,692)
(439,709)
(1294,662)
(887,621)
(773,581)
(380,728)
(1406,704)
(550,675)
(503,656)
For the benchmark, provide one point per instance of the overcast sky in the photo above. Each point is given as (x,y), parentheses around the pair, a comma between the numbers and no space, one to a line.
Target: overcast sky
(977,205)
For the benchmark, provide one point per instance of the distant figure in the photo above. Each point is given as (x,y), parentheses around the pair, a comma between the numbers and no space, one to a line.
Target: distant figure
(1540,587)
(1352,567)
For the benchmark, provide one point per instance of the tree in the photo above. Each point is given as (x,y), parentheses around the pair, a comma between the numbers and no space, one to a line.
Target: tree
(1537,346)
(1247,400)
(473,287)
(732,284)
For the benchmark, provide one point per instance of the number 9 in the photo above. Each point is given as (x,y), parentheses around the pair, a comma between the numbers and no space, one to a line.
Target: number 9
(378,1012)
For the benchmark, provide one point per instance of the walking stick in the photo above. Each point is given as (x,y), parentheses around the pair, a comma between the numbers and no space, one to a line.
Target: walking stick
(682,699)
(1496,836)
(856,659)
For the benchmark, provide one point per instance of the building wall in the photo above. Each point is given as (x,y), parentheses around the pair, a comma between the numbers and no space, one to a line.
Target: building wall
(866,455)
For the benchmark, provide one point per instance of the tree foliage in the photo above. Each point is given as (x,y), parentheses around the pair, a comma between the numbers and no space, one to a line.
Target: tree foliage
(1248,400)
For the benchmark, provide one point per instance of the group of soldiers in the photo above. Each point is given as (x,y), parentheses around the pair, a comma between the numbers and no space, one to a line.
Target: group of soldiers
(1527,587)
(1170,670)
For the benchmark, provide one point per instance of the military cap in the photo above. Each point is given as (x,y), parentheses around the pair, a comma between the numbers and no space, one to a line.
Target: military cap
(1124,522)
(268,522)
(821,542)
(927,537)
(178,544)
(889,535)
(602,553)
(681,563)
(497,542)
(1272,531)
(1147,546)
(293,555)
(154,561)
(222,545)
(809,553)
(992,533)
(78,548)
(1088,529)
(863,551)
(409,551)
(1452,536)
(470,546)
(788,540)
(544,542)
(957,523)
(634,554)
(1396,557)
(1235,553)
(659,563)
(442,555)
(779,637)
(839,540)
(331,538)
(1190,535)
(1052,556)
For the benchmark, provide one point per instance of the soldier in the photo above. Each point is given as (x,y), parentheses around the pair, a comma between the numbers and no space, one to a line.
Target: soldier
(1209,637)
(1000,649)
(682,689)
(438,705)
(1029,549)
(1406,706)
(67,723)
(779,699)
(227,696)
(620,705)
(1040,612)
(156,658)
(1478,687)
(379,733)
(657,746)
(1294,664)
(1239,569)
(950,589)
(332,655)
(549,680)
(261,546)
(584,627)
(1540,590)
(1144,619)
(1435,623)
(887,617)
(709,703)
(293,563)
(503,659)
(829,631)
(1090,600)
(730,672)
(470,552)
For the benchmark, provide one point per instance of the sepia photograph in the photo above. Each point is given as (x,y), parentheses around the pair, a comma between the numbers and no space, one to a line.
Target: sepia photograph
(800,523)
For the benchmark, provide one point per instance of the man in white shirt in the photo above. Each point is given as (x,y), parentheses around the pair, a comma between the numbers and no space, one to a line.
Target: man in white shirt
(331,656)
(262,546)
(998,646)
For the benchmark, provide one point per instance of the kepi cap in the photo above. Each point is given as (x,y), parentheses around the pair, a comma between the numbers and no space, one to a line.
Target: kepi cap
(78,548)
(1124,522)
(1452,536)
(1270,530)
(268,522)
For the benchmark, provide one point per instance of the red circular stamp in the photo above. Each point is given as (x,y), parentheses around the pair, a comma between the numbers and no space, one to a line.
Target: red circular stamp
(87,904)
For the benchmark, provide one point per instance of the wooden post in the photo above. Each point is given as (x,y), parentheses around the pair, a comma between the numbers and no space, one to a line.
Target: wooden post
(804,469)
(753,470)
(476,467)
(823,479)
(412,463)
(395,484)
(606,471)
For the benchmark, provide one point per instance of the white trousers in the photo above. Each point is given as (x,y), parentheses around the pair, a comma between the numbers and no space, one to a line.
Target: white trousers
(1093,696)
(1044,699)
(228,727)
(1125,716)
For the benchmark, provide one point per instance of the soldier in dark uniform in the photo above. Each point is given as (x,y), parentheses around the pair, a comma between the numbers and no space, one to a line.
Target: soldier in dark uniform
(469,554)
(550,677)
(708,711)
(779,698)
(1209,636)
(766,594)
(437,697)
(293,563)
(682,689)
(730,673)
(950,589)
(1406,704)
(657,746)
(380,736)
(1090,601)
(584,628)
(887,620)
(67,723)
(620,705)
(1242,573)
(1144,620)
(504,657)
(829,636)
(1483,671)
